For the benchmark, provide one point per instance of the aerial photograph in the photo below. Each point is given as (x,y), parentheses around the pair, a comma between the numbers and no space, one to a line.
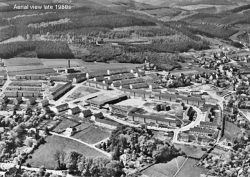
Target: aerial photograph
(124,88)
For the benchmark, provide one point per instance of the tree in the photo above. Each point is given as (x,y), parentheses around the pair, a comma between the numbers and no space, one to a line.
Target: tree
(72,159)
(116,153)
(59,157)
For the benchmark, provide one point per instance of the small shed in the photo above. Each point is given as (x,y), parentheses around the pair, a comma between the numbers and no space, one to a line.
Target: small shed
(31,101)
(43,103)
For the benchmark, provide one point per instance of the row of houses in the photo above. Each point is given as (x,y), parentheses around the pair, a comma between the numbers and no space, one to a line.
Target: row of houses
(21,93)
(60,91)
(197,101)
(27,83)
(31,77)
(25,88)
(99,85)
(108,72)
(60,78)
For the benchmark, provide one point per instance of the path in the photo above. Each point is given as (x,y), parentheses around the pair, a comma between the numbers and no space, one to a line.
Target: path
(89,145)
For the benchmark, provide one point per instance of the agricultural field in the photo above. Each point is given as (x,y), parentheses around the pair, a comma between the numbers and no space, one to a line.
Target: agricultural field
(165,169)
(44,155)
(81,92)
(92,134)
(56,63)
(34,71)
(190,169)
(29,62)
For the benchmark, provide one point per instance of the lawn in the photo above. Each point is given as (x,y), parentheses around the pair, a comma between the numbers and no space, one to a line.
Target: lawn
(65,124)
(44,155)
(165,169)
(92,134)
(55,63)
(81,92)
(22,62)
(191,170)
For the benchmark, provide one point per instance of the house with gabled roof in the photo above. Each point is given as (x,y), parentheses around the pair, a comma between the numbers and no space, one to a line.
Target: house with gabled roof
(73,111)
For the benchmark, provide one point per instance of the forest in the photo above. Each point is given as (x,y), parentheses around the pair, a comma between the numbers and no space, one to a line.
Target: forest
(43,49)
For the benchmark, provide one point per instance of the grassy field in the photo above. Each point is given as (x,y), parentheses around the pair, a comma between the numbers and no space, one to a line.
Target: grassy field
(34,71)
(231,131)
(81,92)
(22,62)
(191,170)
(192,151)
(45,153)
(165,169)
(65,124)
(92,134)
(54,63)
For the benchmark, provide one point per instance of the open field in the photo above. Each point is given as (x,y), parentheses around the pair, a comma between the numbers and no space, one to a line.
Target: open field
(22,62)
(92,134)
(2,71)
(165,169)
(34,71)
(191,170)
(231,131)
(65,124)
(44,155)
(91,66)
(191,151)
(81,92)
(54,63)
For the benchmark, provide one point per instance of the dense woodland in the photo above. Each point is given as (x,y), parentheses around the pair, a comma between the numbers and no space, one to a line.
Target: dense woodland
(43,49)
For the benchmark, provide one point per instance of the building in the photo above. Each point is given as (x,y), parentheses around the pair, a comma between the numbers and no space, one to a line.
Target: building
(18,100)
(3,99)
(59,78)
(210,125)
(91,75)
(139,85)
(43,103)
(79,78)
(137,93)
(85,113)
(147,119)
(60,91)
(62,107)
(200,131)
(73,111)
(114,109)
(99,85)
(97,116)
(100,101)
(10,93)
(31,101)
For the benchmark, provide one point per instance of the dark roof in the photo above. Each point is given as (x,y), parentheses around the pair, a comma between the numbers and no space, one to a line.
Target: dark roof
(99,115)
(87,112)
(75,110)
(62,105)
(196,129)
(61,88)
(119,107)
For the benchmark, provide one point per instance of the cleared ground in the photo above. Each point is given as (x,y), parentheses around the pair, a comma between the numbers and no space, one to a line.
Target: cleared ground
(54,63)
(81,92)
(165,169)
(92,134)
(22,62)
(44,155)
